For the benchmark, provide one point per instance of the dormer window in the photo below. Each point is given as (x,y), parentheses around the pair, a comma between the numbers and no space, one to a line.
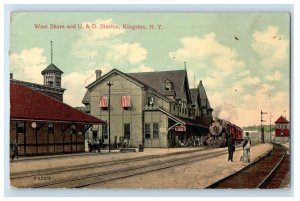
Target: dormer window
(168,85)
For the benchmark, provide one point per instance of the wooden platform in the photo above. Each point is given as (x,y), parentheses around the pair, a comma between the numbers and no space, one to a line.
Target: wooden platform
(124,150)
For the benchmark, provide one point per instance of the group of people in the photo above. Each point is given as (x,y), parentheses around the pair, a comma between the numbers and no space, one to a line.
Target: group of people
(246,148)
(231,148)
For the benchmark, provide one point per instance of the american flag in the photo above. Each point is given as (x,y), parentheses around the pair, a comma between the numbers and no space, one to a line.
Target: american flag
(126,101)
(103,101)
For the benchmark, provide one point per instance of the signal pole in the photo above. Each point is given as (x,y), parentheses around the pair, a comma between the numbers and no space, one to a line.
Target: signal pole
(261,128)
(109,84)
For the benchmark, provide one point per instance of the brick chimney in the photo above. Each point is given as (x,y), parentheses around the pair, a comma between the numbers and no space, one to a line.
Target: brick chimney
(98,74)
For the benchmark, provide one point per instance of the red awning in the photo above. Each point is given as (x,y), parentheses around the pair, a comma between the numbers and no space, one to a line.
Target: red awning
(126,101)
(103,102)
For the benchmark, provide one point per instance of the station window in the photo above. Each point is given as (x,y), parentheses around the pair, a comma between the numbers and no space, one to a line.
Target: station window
(127,108)
(95,135)
(150,101)
(155,130)
(147,131)
(168,85)
(50,128)
(126,131)
(73,129)
(104,131)
(20,127)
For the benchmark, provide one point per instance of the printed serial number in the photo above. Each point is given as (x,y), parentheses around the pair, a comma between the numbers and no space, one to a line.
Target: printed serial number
(42,178)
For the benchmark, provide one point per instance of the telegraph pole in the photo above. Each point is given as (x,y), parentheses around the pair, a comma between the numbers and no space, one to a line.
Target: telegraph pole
(270,128)
(109,84)
(261,128)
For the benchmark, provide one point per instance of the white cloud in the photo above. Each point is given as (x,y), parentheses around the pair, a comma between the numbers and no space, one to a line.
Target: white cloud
(207,52)
(245,110)
(271,46)
(105,46)
(75,84)
(235,92)
(251,81)
(274,77)
(244,73)
(131,52)
(142,68)
(28,65)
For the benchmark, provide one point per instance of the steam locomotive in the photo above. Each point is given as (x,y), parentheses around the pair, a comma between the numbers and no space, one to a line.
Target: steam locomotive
(220,130)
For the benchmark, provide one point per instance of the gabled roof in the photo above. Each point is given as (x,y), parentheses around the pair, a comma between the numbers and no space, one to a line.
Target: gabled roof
(281,119)
(183,121)
(157,81)
(194,95)
(128,77)
(27,104)
(52,68)
(204,102)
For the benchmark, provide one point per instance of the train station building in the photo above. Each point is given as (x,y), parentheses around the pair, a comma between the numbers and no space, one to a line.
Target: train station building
(41,123)
(155,109)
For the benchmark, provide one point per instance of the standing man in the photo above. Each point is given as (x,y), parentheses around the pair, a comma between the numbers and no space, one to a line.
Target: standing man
(231,148)
(246,148)
(15,149)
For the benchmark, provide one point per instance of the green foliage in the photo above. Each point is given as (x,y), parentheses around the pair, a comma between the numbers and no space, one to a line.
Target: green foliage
(257,128)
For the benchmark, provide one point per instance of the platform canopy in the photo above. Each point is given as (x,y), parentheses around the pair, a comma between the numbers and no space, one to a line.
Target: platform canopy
(27,104)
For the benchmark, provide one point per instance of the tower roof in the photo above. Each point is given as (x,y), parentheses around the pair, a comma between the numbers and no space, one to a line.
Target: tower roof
(281,119)
(52,68)
(204,102)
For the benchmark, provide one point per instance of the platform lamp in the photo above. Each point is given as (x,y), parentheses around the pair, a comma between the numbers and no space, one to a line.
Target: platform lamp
(109,84)
(261,128)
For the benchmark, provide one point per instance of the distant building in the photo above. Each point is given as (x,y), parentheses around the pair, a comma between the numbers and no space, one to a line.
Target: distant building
(282,132)
(155,109)
(43,125)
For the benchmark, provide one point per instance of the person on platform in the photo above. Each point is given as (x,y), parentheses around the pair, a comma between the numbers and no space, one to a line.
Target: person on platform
(246,148)
(15,149)
(231,148)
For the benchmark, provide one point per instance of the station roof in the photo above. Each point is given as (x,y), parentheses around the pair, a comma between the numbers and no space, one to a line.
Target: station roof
(157,79)
(183,121)
(27,104)
(281,119)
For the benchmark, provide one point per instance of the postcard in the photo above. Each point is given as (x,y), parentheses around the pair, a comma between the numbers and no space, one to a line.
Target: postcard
(112,100)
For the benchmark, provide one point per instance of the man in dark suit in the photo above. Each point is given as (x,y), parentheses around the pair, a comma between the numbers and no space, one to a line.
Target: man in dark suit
(231,148)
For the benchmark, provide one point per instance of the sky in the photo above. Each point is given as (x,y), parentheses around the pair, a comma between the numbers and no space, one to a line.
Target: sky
(243,59)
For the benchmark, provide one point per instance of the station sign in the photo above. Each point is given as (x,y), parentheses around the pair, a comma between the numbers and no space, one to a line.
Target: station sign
(180,128)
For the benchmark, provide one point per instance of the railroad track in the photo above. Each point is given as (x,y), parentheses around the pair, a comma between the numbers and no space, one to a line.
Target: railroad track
(67,168)
(259,174)
(96,173)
